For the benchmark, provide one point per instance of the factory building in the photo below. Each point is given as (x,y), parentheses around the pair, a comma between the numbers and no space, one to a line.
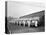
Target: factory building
(33,19)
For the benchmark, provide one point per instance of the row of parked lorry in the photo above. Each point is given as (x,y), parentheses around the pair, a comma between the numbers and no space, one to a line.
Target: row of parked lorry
(24,22)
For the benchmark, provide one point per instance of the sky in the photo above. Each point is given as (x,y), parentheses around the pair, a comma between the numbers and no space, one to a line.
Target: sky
(20,8)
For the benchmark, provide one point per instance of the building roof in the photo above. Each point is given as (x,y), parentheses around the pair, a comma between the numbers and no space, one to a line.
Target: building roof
(37,14)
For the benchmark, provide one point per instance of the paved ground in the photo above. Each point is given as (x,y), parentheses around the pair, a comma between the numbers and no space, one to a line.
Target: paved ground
(20,29)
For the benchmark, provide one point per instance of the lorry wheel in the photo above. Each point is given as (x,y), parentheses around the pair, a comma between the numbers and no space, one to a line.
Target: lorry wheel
(21,24)
(26,25)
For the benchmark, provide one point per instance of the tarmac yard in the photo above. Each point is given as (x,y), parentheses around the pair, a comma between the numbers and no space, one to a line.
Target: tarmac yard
(13,28)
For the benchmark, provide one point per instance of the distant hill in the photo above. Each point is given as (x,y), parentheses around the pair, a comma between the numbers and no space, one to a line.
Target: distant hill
(40,13)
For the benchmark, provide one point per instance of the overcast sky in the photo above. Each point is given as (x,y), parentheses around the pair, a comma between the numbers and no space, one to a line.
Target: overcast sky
(17,8)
